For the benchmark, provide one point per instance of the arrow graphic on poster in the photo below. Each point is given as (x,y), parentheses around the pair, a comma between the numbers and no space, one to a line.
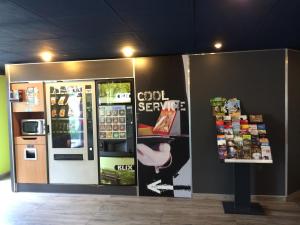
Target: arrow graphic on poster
(157,187)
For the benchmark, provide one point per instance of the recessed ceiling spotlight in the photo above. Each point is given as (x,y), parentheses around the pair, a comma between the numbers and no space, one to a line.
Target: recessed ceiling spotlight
(218,45)
(128,51)
(46,56)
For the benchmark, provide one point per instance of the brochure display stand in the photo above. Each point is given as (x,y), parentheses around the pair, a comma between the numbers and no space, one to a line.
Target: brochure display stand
(241,140)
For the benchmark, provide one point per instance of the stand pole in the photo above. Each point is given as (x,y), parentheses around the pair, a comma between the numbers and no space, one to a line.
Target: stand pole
(242,195)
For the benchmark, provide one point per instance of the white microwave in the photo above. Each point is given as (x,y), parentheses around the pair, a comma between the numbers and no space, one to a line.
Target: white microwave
(33,127)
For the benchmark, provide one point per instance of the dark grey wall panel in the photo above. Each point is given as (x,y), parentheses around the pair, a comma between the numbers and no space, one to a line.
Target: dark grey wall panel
(71,70)
(294,121)
(257,79)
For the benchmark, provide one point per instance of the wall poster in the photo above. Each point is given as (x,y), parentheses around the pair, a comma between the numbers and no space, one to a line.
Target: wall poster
(163,148)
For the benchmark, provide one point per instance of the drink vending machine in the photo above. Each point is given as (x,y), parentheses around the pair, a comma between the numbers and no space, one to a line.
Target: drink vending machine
(116,131)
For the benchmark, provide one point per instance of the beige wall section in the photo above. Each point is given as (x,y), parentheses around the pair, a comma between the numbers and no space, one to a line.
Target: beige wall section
(75,70)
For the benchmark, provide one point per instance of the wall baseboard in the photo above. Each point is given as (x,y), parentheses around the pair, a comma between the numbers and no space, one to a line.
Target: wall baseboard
(4,175)
(78,189)
(207,196)
(228,197)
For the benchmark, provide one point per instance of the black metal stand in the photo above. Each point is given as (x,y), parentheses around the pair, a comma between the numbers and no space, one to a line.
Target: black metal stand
(242,198)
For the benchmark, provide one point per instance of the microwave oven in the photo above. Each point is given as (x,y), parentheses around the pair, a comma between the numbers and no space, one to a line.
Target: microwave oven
(33,127)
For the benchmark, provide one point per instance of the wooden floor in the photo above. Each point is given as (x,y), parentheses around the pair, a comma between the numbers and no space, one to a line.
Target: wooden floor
(61,209)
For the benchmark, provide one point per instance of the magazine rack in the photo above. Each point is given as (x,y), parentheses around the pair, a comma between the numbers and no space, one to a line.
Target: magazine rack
(242,198)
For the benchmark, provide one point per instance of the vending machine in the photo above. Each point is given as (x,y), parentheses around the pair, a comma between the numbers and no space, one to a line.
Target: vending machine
(116,131)
(72,133)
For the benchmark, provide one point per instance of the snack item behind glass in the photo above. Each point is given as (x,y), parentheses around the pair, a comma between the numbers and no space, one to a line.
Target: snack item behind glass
(53,112)
(102,111)
(115,112)
(53,100)
(102,127)
(61,100)
(108,112)
(102,120)
(115,127)
(121,119)
(108,120)
(122,112)
(109,135)
(102,135)
(122,127)
(62,112)
(116,135)
(122,135)
(108,127)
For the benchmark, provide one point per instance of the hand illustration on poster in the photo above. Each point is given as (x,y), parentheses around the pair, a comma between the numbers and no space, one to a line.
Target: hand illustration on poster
(163,128)
(157,158)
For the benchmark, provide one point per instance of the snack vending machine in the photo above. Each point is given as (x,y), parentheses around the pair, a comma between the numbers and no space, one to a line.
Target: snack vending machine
(72,140)
(116,132)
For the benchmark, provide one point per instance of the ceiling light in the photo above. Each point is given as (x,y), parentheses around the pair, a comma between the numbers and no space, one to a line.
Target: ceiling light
(128,51)
(218,45)
(46,56)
